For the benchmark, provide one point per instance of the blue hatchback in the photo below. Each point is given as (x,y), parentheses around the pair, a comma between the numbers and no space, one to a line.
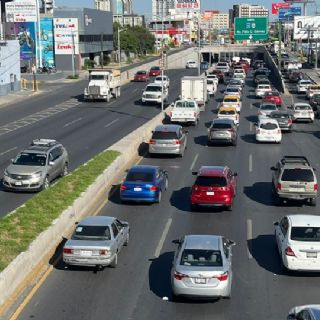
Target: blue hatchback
(144,183)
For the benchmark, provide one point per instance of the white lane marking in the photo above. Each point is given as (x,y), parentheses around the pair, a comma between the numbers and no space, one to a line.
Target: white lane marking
(251,106)
(250,163)
(194,161)
(72,122)
(7,151)
(249,236)
(250,126)
(163,238)
(111,123)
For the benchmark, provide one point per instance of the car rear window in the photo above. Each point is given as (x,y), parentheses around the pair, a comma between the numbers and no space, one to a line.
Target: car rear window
(297,174)
(201,258)
(305,234)
(154,88)
(164,135)
(137,176)
(268,107)
(230,100)
(211,181)
(222,126)
(302,108)
(268,126)
(185,104)
(91,233)
(141,73)
(227,112)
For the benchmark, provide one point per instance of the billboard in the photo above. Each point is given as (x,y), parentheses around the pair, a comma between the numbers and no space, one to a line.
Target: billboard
(46,42)
(187,5)
(26,35)
(64,30)
(21,11)
(287,14)
(305,26)
(276,6)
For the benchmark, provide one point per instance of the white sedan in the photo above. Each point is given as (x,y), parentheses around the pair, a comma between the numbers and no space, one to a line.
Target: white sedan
(298,241)
(302,112)
(165,80)
(268,130)
(303,85)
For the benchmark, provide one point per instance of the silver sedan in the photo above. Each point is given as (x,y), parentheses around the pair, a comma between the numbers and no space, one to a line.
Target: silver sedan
(202,267)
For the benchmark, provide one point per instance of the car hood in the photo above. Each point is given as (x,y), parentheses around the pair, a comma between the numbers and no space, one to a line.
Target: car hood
(18,169)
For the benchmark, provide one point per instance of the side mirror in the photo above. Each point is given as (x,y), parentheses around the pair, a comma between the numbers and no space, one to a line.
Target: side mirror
(51,163)
(176,241)
(231,243)
(76,223)
(273,168)
(276,223)
(12,160)
(194,173)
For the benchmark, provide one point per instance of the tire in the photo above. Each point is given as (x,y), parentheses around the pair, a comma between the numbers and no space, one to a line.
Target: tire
(46,183)
(65,170)
(126,243)
(114,262)
(313,202)
(159,197)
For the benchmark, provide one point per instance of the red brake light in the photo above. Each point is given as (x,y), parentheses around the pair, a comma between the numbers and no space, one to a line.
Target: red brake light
(315,187)
(67,250)
(153,188)
(177,142)
(179,276)
(289,252)
(151,141)
(123,187)
(278,186)
(222,277)
(290,121)
(103,252)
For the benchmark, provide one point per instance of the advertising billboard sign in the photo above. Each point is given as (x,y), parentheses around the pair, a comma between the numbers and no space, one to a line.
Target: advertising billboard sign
(21,11)
(287,14)
(276,6)
(26,35)
(306,26)
(46,42)
(187,5)
(255,28)
(64,30)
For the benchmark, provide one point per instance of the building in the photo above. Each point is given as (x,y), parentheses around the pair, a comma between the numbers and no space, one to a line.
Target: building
(80,34)
(249,10)
(160,7)
(130,20)
(220,21)
(117,7)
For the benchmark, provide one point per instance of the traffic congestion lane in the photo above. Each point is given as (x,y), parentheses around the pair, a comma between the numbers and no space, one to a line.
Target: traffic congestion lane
(84,129)
(141,284)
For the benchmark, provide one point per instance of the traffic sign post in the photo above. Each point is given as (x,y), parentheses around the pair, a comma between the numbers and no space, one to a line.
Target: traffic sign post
(255,28)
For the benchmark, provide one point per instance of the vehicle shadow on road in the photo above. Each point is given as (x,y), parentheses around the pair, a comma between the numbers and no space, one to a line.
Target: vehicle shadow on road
(180,199)
(249,138)
(260,192)
(252,118)
(201,140)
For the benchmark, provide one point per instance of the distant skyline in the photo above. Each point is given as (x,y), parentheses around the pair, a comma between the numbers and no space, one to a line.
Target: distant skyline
(144,6)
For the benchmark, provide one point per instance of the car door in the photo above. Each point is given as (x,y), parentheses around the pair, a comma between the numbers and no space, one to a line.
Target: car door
(232,182)
(281,235)
(52,168)
(228,255)
(58,160)
(160,179)
(122,232)
(117,237)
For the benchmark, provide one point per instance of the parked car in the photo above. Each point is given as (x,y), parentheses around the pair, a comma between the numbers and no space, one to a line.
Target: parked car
(303,85)
(294,178)
(191,64)
(223,131)
(265,109)
(144,183)
(168,139)
(298,241)
(154,93)
(154,71)
(310,312)
(36,166)
(301,112)
(214,186)
(202,267)
(162,80)
(96,241)
(268,130)
(284,119)
(272,96)
(141,75)
(228,113)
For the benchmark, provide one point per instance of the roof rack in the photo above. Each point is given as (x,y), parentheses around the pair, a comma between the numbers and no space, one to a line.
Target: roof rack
(43,142)
(295,159)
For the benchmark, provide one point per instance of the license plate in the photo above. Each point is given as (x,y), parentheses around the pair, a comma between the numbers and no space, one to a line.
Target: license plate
(137,189)
(18,183)
(86,253)
(311,254)
(210,193)
(200,280)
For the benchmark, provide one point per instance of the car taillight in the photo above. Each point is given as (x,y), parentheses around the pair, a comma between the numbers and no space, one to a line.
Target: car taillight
(222,277)
(103,252)
(278,186)
(153,188)
(177,142)
(123,187)
(315,187)
(290,121)
(289,252)
(195,188)
(179,276)
(151,141)
(68,250)
(170,114)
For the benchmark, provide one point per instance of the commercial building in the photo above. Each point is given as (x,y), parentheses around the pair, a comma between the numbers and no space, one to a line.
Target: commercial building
(162,6)
(115,6)
(249,10)
(220,21)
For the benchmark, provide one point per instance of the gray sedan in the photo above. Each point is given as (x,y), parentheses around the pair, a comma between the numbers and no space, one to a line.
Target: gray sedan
(96,241)
(202,267)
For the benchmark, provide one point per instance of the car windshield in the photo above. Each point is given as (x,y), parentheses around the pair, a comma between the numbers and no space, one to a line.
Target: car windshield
(30,159)
(160,79)
(135,176)
(155,68)
(97,77)
(233,90)
(91,233)
(268,126)
(263,86)
(209,181)
(305,82)
(164,135)
(221,125)
(201,258)
(305,234)
(301,107)
(141,73)
(268,107)
(185,104)
(297,174)
(230,100)
(154,88)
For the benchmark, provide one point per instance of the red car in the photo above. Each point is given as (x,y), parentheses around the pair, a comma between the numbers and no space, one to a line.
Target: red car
(219,73)
(214,186)
(141,76)
(273,97)
(154,71)
(245,65)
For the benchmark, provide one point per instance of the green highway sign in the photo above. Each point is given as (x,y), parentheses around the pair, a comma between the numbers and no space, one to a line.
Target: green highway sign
(254,28)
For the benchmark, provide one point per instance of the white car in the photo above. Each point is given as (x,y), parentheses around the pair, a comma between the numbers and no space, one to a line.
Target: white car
(211,87)
(239,76)
(223,66)
(165,80)
(303,85)
(153,93)
(262,89)
(266,109)
(268,130)
(298,241)
(309,311)
(191,64)
(232,91)
(214,78)
(302,111)
(239,71)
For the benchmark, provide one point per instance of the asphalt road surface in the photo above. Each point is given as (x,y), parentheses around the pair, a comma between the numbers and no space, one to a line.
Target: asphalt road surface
(135,289)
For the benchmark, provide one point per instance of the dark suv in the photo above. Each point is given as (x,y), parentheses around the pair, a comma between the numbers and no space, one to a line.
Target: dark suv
(222,131)
(294,178)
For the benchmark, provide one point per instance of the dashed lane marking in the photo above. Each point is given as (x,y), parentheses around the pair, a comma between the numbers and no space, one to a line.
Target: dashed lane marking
(163,238)
(72,122)
(194,161)
(250,163)
(7,151)
(111,123)
(249,237)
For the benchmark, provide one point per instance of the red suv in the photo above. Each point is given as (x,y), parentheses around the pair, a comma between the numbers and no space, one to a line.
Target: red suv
(141,76)
(272,97)
(154,71)
(214,186)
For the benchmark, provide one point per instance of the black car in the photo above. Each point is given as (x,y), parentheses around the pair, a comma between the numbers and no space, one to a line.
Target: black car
(284,119)
(315,103)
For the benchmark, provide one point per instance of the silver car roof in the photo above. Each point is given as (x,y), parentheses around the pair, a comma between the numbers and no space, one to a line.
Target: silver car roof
(168,127)
(206,242)
(97,221)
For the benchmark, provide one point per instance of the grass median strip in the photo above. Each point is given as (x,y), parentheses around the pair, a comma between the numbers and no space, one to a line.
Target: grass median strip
(20,228)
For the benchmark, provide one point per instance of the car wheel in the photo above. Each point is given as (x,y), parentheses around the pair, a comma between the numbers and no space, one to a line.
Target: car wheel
(159,197)
(114,262)
(195,122)
(126,243)
(46,183)
(313,202)
(65,170)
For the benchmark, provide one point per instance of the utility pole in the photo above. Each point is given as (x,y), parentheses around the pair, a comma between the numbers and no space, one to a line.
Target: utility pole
(279,52)
(101,48)
(316,62)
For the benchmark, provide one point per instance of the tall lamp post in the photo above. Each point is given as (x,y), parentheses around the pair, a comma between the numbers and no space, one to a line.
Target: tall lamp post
(119,49)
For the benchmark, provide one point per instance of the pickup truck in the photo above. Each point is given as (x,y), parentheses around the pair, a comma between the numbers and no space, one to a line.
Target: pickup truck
(153,92)
(185,111)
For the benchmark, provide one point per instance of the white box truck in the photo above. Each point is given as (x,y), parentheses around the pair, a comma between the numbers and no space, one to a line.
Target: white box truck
(103,84)
(195,88)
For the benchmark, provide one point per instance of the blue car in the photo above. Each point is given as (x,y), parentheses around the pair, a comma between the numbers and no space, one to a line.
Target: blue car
(144,183)
(204,65)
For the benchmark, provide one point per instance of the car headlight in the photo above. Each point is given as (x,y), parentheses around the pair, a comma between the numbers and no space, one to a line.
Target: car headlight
(37,175)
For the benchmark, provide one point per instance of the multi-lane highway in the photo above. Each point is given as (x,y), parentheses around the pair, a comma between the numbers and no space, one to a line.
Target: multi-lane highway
(136,288)
(84,128)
